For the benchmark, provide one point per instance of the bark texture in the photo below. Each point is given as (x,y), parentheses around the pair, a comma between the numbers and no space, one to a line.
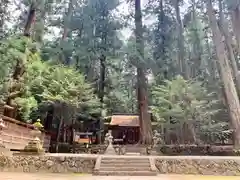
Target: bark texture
(228,41)
(181,50)
(144,116)
(226,75)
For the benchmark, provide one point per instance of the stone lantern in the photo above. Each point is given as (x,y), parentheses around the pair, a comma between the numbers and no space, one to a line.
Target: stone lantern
(156,142)
(35,145)
(109,138)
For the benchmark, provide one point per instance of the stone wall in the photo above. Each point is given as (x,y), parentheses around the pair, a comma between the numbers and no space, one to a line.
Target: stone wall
(77,163)
(199,166)
(47,164)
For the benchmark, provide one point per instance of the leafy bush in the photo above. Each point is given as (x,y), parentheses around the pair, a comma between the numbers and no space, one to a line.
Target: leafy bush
(179,102)
(41,81)
(26,106)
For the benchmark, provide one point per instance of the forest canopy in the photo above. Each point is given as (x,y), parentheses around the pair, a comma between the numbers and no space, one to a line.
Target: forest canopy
(175,59)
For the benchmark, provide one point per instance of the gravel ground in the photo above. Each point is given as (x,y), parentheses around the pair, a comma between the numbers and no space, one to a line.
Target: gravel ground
(26,176)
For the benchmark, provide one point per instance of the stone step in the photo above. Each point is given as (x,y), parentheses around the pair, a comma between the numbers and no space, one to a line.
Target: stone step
(124,160)
(126,165)
(125,168)
(132,149)
(125,173)
(132,154)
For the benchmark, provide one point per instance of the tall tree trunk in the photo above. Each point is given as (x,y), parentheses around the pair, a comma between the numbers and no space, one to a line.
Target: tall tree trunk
(102,77)
(132,98)
(65,56)
(2,19)
(159,52)
(3,14)
(228,40)
(144,117)
(181,50)
(19,69)
(211,66)
(30,19)
(40,22)
(60,127)
(162,29)
(102,59)
(234,9)
(226,75)
(67,20)
(197,51)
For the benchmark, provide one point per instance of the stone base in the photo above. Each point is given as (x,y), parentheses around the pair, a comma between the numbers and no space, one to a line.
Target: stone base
(132,154)
(143,151)
(110,150)
(33,147)
(2,146)
(22,153)
(5,151)
(154,152)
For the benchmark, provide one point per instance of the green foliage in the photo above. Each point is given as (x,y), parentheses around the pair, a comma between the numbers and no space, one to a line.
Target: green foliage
(183,101)
(26,106)
(43,81)
(11,49)
(93,30)
(180,101)
(59,83)
(120,91)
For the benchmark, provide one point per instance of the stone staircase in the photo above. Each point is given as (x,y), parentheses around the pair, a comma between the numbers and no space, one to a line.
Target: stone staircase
(125,166)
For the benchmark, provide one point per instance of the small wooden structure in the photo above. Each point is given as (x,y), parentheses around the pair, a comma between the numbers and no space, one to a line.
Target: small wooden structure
(125,125)
(84,138)
(126,128)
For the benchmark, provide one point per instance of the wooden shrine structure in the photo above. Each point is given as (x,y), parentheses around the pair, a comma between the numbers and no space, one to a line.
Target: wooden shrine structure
(125,127)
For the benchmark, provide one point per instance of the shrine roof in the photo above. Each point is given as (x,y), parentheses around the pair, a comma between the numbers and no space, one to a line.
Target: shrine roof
(125,120)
